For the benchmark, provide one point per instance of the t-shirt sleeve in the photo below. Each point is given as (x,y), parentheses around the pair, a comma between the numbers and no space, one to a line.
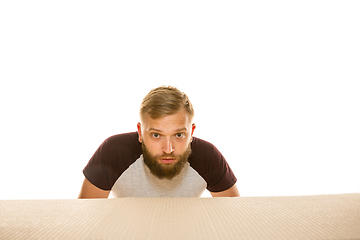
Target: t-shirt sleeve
(207,160)
(111,159)
(98,167)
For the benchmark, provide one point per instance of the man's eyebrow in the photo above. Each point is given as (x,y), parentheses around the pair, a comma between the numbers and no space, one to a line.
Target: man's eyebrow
(158,130)
(182,129)
(154,129)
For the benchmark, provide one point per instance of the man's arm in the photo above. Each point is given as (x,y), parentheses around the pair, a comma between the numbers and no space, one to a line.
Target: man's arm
(231,192)
(89,190)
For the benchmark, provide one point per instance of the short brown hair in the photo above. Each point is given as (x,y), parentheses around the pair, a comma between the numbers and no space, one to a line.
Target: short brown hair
(164,101)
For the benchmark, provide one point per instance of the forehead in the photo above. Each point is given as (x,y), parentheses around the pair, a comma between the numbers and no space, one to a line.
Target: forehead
(174,122)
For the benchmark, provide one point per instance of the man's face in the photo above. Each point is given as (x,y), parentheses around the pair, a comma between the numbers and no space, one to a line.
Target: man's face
(166,143)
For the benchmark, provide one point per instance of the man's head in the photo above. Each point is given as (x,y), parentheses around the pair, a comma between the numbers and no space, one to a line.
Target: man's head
(166,130)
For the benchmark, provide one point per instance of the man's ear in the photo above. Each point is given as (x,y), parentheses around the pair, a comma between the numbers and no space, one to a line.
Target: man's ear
(192,130)
(139,131)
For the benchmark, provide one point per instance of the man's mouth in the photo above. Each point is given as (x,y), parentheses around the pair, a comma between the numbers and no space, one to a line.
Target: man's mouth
(167,160)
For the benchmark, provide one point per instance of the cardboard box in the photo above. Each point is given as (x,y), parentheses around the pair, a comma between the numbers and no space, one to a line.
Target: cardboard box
(300,217)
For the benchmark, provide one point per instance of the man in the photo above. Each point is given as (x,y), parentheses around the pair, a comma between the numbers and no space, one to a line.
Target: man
(161,159)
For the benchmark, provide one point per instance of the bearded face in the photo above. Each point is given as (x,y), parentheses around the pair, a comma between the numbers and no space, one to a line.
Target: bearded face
(165,170)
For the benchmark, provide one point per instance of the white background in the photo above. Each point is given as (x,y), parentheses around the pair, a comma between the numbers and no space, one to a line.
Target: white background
(275,86)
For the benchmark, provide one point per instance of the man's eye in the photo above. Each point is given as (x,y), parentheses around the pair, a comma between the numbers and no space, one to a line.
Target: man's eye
(156,135)
(180,135)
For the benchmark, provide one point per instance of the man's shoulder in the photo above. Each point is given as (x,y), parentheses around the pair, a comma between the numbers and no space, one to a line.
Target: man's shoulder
(203,152)
(124,140)
(201,145)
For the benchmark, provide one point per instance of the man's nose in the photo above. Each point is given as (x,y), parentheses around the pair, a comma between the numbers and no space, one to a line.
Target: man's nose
(168,147)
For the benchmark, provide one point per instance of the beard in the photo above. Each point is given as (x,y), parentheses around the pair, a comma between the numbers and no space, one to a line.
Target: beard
(162,170)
